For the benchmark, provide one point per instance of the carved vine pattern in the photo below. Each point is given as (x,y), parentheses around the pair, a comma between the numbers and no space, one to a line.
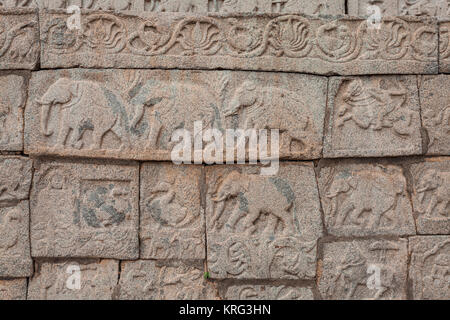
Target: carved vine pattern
(289,36)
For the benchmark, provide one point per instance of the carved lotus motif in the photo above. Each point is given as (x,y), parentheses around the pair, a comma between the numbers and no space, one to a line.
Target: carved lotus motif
(289,36)
(199,36)
(149,38)
(105,32)
(389,42)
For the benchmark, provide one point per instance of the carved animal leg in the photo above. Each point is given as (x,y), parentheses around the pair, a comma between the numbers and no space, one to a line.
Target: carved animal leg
(433,203)
(341,216)
(352,290)
(271,225)
(155,129)
(120,132)
(62,136)
(252,216)
(380,292)
(356,214)
(97,137)
(216,217)
(377,217)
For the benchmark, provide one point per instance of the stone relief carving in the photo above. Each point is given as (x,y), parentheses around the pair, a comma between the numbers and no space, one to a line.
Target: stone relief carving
(285,37)
(361,200)
(172,221)
(148,280)
(19,40)
(93,215)
(261,292)
(254,225)
(97,282)
(431,196)
(15,180)
(430,267)
(433,8)
(134,114)
(334,7)
(346,269)
(12,103)
(370,110)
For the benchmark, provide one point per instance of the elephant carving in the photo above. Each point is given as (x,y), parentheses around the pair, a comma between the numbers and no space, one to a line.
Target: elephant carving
(83,105)
(172,106)
(364,192)
(259,195)
(274,108)
(438,184)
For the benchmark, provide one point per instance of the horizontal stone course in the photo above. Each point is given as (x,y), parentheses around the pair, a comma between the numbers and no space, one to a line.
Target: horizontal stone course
(134,114)
(347,46)
(196,6)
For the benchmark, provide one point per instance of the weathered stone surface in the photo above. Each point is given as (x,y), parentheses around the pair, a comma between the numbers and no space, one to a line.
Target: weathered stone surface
(172,219)
(57,280)
(198,6)
(19,44)
(430,8)
(12,103)
(133,114)
(268,292)
(434,91)
(431,195)
(373,116)
(365,199)
(350,270)
(262,227)
(150,280)
(85,209)
(15,289)
(15,179)
(251,42)
(429,269)
(444,46)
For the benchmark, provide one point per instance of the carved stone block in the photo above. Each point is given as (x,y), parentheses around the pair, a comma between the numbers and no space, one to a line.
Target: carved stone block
(322,7)
(435,105)
(19,44)
(12,102)
(429,269)
(15,289)
(347,46)
(267,292)
(262,227)
(134,114)
(365,199)
(15,179)
(444,46)
(150,280)
(85,209)
(431,195)
(373,117)
(427,8)
(172,219)
(364,269)
(74,280)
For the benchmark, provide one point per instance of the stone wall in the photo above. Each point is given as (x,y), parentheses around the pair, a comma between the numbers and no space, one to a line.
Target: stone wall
(359,208)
